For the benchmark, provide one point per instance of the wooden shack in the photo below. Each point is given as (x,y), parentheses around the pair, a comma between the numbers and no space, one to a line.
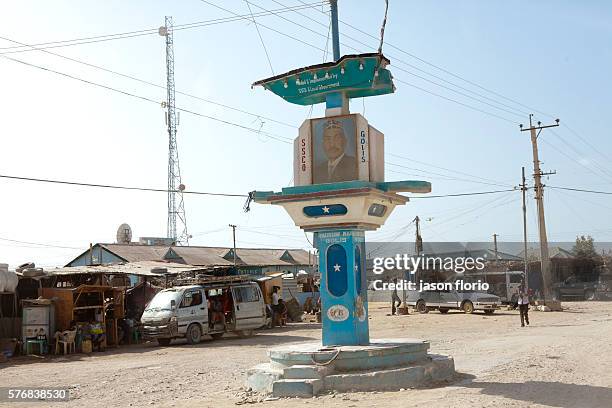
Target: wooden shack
(87,303)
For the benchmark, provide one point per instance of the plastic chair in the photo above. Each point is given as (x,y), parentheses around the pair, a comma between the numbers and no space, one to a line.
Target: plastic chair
(67,340)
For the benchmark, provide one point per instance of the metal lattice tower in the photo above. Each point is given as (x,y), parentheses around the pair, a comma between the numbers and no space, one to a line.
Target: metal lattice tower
(177,222)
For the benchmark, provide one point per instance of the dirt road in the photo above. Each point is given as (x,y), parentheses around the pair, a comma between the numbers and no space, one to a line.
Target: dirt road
(561,360)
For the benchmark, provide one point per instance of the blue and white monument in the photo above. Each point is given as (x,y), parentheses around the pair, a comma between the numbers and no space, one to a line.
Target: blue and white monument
(339,193)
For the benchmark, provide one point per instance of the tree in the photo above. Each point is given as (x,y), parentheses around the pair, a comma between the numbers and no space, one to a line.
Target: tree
(585,248)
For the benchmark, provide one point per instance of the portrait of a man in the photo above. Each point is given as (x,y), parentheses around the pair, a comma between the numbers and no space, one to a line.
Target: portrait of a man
(334,147)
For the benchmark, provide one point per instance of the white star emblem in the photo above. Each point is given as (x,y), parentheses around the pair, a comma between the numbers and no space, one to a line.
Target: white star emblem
(336,268)
(326,210)
(356,267)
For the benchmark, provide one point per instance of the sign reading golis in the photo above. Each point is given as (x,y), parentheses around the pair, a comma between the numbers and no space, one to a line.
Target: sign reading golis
(336,149)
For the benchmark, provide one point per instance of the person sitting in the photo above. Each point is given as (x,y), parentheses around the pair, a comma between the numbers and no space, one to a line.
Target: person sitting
(95,333)
(218,314)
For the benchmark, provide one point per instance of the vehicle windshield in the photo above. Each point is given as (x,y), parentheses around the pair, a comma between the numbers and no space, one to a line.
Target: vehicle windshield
(161,301)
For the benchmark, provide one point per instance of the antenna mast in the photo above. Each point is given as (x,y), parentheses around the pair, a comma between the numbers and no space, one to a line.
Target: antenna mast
(176,207)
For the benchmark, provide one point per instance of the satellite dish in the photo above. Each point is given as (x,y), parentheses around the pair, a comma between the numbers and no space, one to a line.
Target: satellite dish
(124,234)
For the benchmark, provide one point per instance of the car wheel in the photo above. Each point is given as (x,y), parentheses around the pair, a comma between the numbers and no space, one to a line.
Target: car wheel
(468,307)
(216,336)
(194,333)
(421,307)
(589,295)
(489,311)
(164,342)
(443,310)
(244,333)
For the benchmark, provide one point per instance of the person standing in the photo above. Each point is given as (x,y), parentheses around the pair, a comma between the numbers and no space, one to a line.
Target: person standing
(275,306)
(523,304)
(395,298)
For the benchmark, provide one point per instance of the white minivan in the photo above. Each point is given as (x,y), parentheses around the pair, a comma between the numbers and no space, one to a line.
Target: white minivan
(212,307)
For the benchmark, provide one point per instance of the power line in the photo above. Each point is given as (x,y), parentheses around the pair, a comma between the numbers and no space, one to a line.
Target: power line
(38,243)
(457,102)
(278,138)
(446,176)
(149,31)
(264,26)
(404,70)
(445,168)
(151,83)
(464,194)
(573,160)
(596,164)
(263,44)
(157,190)
(144,98)
(582,190)
(396,59)
(595,149)
(443,69)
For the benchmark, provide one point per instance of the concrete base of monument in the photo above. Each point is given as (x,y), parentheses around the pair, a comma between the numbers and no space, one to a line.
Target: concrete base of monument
(308,369)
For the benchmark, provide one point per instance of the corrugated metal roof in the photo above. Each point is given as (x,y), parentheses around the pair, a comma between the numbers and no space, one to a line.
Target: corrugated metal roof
(142,268)
(214,256)
(554,252)
(137,252)
(208,256)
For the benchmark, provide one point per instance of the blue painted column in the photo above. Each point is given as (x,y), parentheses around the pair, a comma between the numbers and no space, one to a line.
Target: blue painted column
(344,303)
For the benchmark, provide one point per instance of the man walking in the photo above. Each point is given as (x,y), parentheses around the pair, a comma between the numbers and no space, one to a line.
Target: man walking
(523,303)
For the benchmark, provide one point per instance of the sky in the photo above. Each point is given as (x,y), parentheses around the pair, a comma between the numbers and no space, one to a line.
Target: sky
(467,73)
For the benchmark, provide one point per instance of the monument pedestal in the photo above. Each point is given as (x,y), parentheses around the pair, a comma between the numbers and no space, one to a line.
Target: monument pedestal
(308,369)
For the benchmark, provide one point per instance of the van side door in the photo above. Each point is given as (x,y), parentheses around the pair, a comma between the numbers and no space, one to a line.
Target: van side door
(193,308)
(248,307)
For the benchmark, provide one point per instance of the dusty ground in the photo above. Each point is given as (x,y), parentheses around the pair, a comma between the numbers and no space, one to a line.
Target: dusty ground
(561,360)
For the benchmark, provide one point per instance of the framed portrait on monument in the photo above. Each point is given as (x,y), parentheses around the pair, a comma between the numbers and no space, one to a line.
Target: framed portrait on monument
(334,149)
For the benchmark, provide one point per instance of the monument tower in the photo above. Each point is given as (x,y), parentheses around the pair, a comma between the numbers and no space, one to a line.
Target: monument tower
(339,193)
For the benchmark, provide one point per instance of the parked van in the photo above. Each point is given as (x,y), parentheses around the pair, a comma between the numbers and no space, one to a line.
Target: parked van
(504,284)
(212,306)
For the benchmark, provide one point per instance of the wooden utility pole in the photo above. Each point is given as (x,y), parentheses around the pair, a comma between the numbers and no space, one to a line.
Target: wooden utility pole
(233,227)
(495,247)
(523,187)
(539,196)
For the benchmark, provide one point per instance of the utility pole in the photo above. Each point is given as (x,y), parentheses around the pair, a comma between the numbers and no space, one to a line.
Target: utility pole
(418,248)
(495,246)
(233,227)
(539,196)
(176,206)
(523,187)
(335,32)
